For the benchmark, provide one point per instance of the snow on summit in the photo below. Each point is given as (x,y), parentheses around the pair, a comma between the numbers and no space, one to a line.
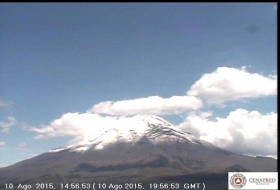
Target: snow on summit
(131,129)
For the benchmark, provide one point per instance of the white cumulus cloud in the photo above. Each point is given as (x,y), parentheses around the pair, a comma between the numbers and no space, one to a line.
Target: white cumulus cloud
(77,125)
(242,131)
(69,124)
(149,105)
(229,84)
(6,125)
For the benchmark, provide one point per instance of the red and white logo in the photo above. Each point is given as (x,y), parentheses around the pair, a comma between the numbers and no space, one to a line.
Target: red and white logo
(252,180)
(238,180)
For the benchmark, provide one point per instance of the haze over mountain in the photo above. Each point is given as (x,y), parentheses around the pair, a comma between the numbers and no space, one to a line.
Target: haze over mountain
(145,149)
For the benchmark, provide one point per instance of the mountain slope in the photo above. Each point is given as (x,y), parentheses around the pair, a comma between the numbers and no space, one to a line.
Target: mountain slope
(142,149)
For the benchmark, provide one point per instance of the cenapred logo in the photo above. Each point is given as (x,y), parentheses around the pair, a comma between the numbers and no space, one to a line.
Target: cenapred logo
(252,180)
(238,180)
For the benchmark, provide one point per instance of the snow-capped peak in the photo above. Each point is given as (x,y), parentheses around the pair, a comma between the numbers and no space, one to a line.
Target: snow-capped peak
(132,129)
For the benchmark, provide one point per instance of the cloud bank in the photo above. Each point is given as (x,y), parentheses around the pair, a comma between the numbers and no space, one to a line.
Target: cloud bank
(242,131)
(230,84)
(69,124)
(150,105)
(223,85)
(79,126)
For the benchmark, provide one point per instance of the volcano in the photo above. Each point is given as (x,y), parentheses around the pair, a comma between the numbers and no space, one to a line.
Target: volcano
(143,150)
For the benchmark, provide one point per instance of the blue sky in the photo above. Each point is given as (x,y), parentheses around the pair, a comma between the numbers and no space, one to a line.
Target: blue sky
(73,58)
